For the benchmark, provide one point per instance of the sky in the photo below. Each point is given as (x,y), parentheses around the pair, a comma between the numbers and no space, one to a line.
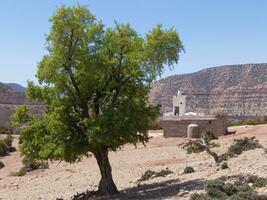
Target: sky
(213,32)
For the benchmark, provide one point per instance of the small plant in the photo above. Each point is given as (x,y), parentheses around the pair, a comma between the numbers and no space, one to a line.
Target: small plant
(6,145)
(193,147)
(189,170)
(243,144)
(257,181)
(224,165)
(219,190)
(149,174)
(208,136)
(163,173)
(30,165)
(1,165)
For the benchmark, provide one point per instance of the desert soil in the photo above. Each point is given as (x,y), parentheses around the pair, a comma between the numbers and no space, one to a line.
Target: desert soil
(63,180)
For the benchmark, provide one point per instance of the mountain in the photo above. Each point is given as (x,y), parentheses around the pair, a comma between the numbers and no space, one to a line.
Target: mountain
(9,99)
(239,89)
(16,87)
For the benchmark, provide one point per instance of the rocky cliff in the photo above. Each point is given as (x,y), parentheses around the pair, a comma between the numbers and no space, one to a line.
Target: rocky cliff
(9,99)
(239,89)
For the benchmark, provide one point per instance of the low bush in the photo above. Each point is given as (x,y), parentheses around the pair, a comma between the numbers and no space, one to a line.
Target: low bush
(189,170)
(163,173)
(197,146)
(257,181)
(224,165)
(6,145)
(248,122)
(208,136)
(192,147)
(219,190)
(243,144)
(1,165)
(239,146)
(29,165)
(149,174)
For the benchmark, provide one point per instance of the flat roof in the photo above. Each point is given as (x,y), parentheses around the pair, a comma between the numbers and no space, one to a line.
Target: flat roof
(191,117)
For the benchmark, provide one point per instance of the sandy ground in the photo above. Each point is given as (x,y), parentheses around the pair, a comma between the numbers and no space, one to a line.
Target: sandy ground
(63,180)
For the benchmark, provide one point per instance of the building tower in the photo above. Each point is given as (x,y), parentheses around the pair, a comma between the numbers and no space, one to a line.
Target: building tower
(179,104)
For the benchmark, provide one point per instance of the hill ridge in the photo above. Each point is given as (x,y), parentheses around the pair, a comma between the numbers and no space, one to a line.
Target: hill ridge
(239,89)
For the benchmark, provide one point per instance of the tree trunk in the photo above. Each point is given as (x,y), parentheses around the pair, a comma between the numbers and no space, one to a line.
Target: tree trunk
(213,154)
(106,185)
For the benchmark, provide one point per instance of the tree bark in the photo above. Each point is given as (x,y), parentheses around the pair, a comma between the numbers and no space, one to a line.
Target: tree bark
(106,185)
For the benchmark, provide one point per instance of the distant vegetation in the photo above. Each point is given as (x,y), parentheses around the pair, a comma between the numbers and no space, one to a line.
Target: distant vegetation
(196,146)
(239,190)
(205,144)
(30,165)
(149,174)
(248,122)
(6,145)
(188,170)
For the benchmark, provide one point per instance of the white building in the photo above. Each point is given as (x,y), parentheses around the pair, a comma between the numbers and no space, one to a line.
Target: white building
(179,104)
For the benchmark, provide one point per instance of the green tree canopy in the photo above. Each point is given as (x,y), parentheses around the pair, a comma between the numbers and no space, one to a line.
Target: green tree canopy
(94,82)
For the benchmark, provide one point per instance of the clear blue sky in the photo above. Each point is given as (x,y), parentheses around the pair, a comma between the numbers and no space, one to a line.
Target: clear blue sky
(213,32)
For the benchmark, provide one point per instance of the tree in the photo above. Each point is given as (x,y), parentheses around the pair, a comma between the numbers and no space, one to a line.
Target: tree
(94,82)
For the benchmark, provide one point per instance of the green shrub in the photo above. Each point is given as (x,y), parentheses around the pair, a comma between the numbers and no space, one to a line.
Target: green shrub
(257,181)
(149,174)
(1,165)
(6,145)
(192,147)
(163,173)
(208,136)
(189,170)
(215,189)
(219,190)
(196,147)
(29,165)
(21,172)
(224,165)
(248,122)
(243,144)
(200,197)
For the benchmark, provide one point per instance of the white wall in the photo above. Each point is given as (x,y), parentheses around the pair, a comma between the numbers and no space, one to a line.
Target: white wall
(179,101)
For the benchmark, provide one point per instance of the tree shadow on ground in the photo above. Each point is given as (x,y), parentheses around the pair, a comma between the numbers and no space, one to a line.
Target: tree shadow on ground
(158,190)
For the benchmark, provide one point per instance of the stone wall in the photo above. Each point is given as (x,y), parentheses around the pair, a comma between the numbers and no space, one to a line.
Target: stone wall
(177,126)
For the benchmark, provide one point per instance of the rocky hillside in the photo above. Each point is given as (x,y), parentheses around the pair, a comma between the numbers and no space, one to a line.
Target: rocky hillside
(239,89)
(9,100)
(16,87)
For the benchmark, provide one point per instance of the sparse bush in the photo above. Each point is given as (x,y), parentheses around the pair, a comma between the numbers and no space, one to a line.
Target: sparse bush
(6,145)
(219,190)
(192,147)
(197,146)
(163,173)
(248,122)
(224,165)
(216,189)
(29,165)
(208,136)
(1,165)
(188,170)
(257,181)
(200,197)
(243,144)
(149,174)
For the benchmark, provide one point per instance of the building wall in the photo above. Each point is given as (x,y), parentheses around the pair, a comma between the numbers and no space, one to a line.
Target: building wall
(178,127)
(179,101)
